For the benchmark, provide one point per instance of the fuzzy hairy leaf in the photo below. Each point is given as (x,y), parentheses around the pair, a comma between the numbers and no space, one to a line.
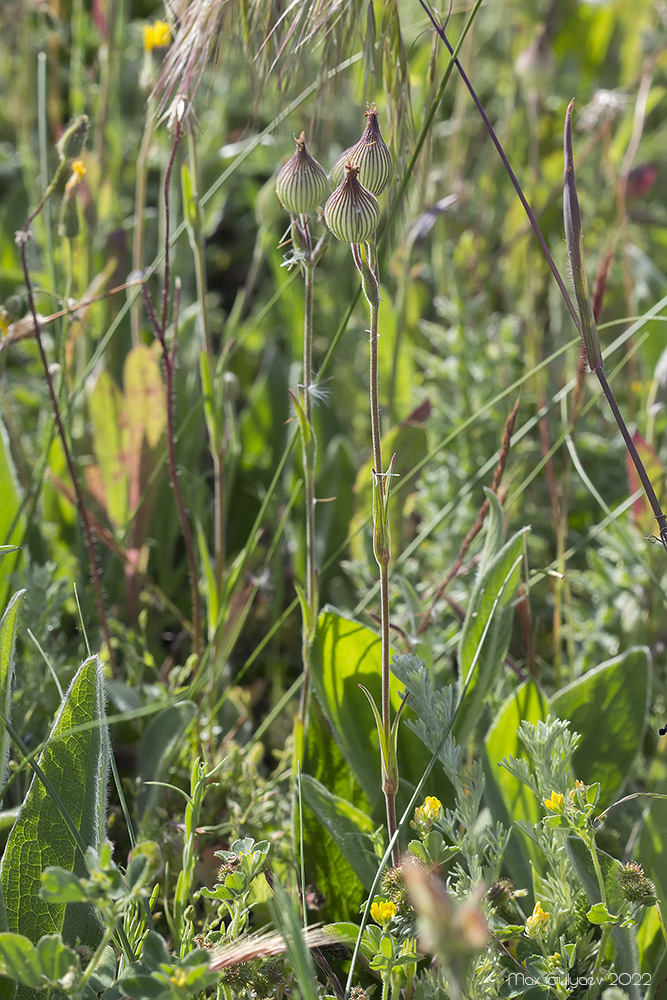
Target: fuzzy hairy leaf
(75,766)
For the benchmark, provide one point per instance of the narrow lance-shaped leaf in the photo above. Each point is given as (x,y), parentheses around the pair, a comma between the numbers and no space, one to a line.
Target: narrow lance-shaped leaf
(574,240)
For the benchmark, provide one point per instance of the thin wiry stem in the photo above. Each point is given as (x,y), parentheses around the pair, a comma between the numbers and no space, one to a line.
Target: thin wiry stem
(139,209)
(22,240)
(365,258)
(301,231)
(169,362)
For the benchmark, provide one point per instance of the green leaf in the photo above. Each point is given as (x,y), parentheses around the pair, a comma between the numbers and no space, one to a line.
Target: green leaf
(142,986)
(510,798)
(326,865)
(608,707)
(346,654)
(599,914)
(75,766)
(19,960)
(56,959)
(159,743)
(287,922)
(8,626)
(60,886)
(11,523)
(110,443)
(487,627)
(350,828)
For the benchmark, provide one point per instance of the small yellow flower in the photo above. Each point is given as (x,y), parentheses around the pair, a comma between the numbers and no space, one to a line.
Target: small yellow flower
(78,172)
(555,803)
(156,35)
(426,814)
(538,922)
(382,912)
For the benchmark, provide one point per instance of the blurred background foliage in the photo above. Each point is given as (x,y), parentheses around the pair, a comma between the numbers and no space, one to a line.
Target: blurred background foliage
(470,319)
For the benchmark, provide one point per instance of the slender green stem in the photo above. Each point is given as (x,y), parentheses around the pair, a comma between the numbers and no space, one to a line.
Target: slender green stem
(602,947)
(658,513)
(598,871)
(308,452)
(365,258)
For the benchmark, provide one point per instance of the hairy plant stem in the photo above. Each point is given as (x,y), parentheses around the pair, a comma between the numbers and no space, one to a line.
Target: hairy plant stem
(308,455)
(169,362)
(139,209)
(365,258)
(22,240)
(309,258)
(216,433)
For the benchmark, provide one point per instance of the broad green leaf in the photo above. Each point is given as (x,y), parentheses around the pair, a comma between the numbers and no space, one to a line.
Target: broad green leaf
(625,959)
(7,640)
(75,766)
(510,798)
(11,524)
(110,441)
(19,959)
(345,655)
(487,627)
(350,827)
(608,707)
(146,422)
(327,867)
(144,398)
(159,743)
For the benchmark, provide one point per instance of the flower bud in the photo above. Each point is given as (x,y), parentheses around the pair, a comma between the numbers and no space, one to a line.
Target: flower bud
(301,182)
(634,885)
(337,174)
(352,213)
(73,140)
(371,154)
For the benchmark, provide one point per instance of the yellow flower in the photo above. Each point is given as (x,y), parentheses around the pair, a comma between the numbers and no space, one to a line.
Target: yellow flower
(156,35)
(426,814)
(78,172)
(382,912)
(538,922)
(555,803)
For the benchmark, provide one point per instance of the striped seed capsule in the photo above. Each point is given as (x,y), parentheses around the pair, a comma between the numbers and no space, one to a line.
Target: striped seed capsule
(352,213)
(301,183)
(371,154)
